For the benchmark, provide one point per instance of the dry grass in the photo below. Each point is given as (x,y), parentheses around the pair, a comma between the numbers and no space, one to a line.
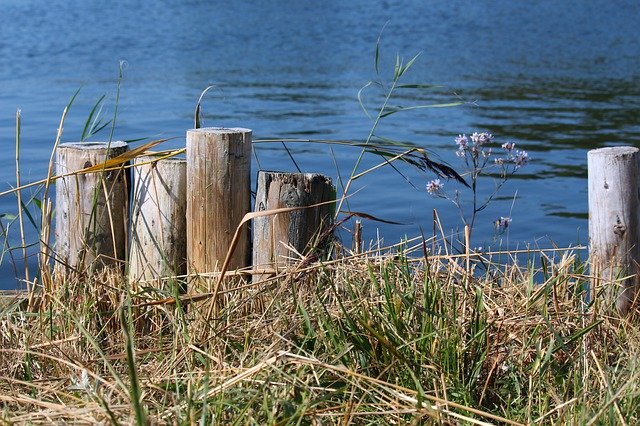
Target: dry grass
(377,338)
(391,336)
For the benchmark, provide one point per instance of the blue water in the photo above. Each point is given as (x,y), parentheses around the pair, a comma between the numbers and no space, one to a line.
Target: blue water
(557,78)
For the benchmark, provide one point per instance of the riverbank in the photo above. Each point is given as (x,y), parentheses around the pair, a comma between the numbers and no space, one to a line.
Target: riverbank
(387,336)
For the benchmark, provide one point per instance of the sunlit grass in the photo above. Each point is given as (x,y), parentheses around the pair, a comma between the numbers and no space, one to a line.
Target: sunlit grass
(406,334)
(373,338)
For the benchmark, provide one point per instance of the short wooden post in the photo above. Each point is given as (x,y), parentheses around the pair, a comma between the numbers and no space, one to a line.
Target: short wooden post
(218,196)
(357,237)
(91,208)
(614,223)
(159,220)
(280,239)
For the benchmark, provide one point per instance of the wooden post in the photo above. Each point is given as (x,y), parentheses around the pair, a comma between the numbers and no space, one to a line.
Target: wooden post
(357,237)
(614,223)
(159,221)
(280,239)
(92,208)
(218,196)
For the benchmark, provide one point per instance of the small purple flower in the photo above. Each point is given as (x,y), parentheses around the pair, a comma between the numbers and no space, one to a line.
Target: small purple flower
(520,158)
(508,146)
(480,139)
(462,141)
(502,223)
(435,187)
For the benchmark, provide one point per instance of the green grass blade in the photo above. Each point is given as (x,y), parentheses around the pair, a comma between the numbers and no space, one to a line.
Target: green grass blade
(394,110)
(93,120)
(134,385)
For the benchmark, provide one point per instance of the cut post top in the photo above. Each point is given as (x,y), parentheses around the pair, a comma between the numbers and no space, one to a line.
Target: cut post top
(92,145)
(309,176)
(219,130)
(614,150)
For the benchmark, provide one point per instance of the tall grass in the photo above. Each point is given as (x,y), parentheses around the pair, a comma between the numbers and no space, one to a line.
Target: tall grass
(403,334)
(395,337)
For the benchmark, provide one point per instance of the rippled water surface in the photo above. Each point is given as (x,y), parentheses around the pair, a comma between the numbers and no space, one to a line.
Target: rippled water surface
(557,78)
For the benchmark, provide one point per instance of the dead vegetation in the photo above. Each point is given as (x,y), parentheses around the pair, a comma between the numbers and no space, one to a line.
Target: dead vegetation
(383,337)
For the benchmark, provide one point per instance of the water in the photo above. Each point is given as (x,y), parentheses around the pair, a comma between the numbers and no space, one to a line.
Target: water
(557,78)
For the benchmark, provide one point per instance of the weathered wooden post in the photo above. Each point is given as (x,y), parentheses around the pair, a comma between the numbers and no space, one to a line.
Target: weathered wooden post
(91,208)
(614,223)
(159,222)
(357,237)
(279,239)
(218,196)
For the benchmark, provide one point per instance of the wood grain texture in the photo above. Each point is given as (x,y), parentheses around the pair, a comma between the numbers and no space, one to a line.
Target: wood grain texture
(281,239)
(614,222)
(218,196)
(92,208)
(159,219)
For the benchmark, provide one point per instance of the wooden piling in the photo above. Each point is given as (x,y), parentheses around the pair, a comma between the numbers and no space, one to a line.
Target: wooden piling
(281,239)
(357,237)
(159,221)
(91,208)
(218,196)
(614,223)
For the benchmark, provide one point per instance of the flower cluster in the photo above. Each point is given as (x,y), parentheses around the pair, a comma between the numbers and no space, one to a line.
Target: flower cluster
(435,187)
(514,156)
(502,224)
(475,150)
(475,146)
(480,139)
(463,144)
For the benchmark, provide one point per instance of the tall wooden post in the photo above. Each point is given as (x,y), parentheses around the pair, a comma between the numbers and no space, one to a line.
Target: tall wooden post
(91,208)
(218,196)
(614,222)
(159,220)
(280,239)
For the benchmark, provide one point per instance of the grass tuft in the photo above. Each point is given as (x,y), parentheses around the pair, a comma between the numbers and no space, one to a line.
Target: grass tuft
(380,337)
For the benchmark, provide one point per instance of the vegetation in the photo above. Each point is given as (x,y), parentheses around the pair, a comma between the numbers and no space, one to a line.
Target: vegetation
(412,333)
(371,338)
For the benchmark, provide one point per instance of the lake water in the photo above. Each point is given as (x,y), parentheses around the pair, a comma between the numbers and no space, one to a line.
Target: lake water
(556,78)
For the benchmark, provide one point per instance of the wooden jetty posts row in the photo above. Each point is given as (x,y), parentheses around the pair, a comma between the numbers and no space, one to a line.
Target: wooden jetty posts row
(175,216)
(185,212)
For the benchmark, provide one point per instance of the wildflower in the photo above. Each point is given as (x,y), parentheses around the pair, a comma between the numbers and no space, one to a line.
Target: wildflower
(520,158)
(480,139)
(508,146)
(435,187)
(502,223)
(499,161)
(462,141)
